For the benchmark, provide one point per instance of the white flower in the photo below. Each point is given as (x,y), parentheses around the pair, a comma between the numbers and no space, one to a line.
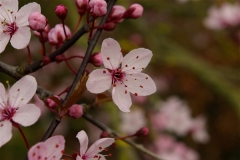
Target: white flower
(14,23)
(123,73)
(14,107)
(92,152)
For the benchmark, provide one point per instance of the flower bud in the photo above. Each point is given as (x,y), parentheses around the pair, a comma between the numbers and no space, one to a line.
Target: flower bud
(96,59)
(44,34)
(109,26)
(56,35)
(98,8)
(116,14)
(37,21)
(134,11)
(75,111)
(104,135)
(61,11)
(82,6)
(144,131)
(50,102)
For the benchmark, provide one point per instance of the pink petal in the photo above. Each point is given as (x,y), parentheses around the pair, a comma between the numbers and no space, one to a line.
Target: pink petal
(99,146)
(140,84)
(27,114)
(24,12)
(5,132)
(55,147)
(22,91)
(79,158)
(83,140)
(136,60)
(12,6)
(21,38)
(99,81)
(121,97)
(3,97)
(4,41)
(38,152)
(111,53)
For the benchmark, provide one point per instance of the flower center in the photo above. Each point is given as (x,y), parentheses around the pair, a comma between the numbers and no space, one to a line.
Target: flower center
(9,28)
(117,75)
(8,113)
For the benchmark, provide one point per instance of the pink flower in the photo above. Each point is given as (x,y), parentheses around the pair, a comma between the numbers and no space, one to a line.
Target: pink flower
(14,107)
(37,21)
(98,8)
(96,59)
(122,73)
(134,11)
(94,149)
(116,14)
(82,6)
(14,23)
(51,149)
(75,111)
(56,35)
(61,11)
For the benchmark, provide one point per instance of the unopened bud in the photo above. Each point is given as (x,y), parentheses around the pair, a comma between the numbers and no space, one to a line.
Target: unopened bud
(44,37)
(51,102)
(96,59)
(116,14)
(56,35)
(61,11)
(144,131)
(109,26)
(37,21)
(134,11)
(75,111)
(104,135)
(98,8)
(82,6)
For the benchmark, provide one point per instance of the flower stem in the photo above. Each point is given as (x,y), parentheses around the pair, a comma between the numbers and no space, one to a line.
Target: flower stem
(23,136)
(77,25)
(64,29)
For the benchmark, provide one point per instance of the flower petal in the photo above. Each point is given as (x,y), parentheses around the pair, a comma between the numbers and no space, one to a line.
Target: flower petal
(24,12)
(5,132)
(8,9)
(55,147)
(27,114)
(136,60)
(83,140)
(21,38)
(99,81)
(121,97)
(38,152)
(79,158)
(3,97)
(111,53)
(140,84)
(99,146)
(4,39)
(22,91)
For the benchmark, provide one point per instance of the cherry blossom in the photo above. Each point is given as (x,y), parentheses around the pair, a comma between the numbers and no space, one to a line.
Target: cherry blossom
(123,73)
(51,149)
(92,152)
(14,23)
(14,107)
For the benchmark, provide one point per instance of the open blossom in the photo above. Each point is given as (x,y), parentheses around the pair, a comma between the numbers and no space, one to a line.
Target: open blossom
(14,23)
(14,107)
(51,149)
(123,73)
(92,152)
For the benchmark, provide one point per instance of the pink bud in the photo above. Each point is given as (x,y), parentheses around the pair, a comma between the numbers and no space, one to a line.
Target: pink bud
(116,14)
(82,6)
(56,35)
(134,11)
(44,33)
(61,11)
(109,26)
(37,21)
(104,135)
(98,8)
(144,131)
(96,59)
(75,111)
(51,103)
